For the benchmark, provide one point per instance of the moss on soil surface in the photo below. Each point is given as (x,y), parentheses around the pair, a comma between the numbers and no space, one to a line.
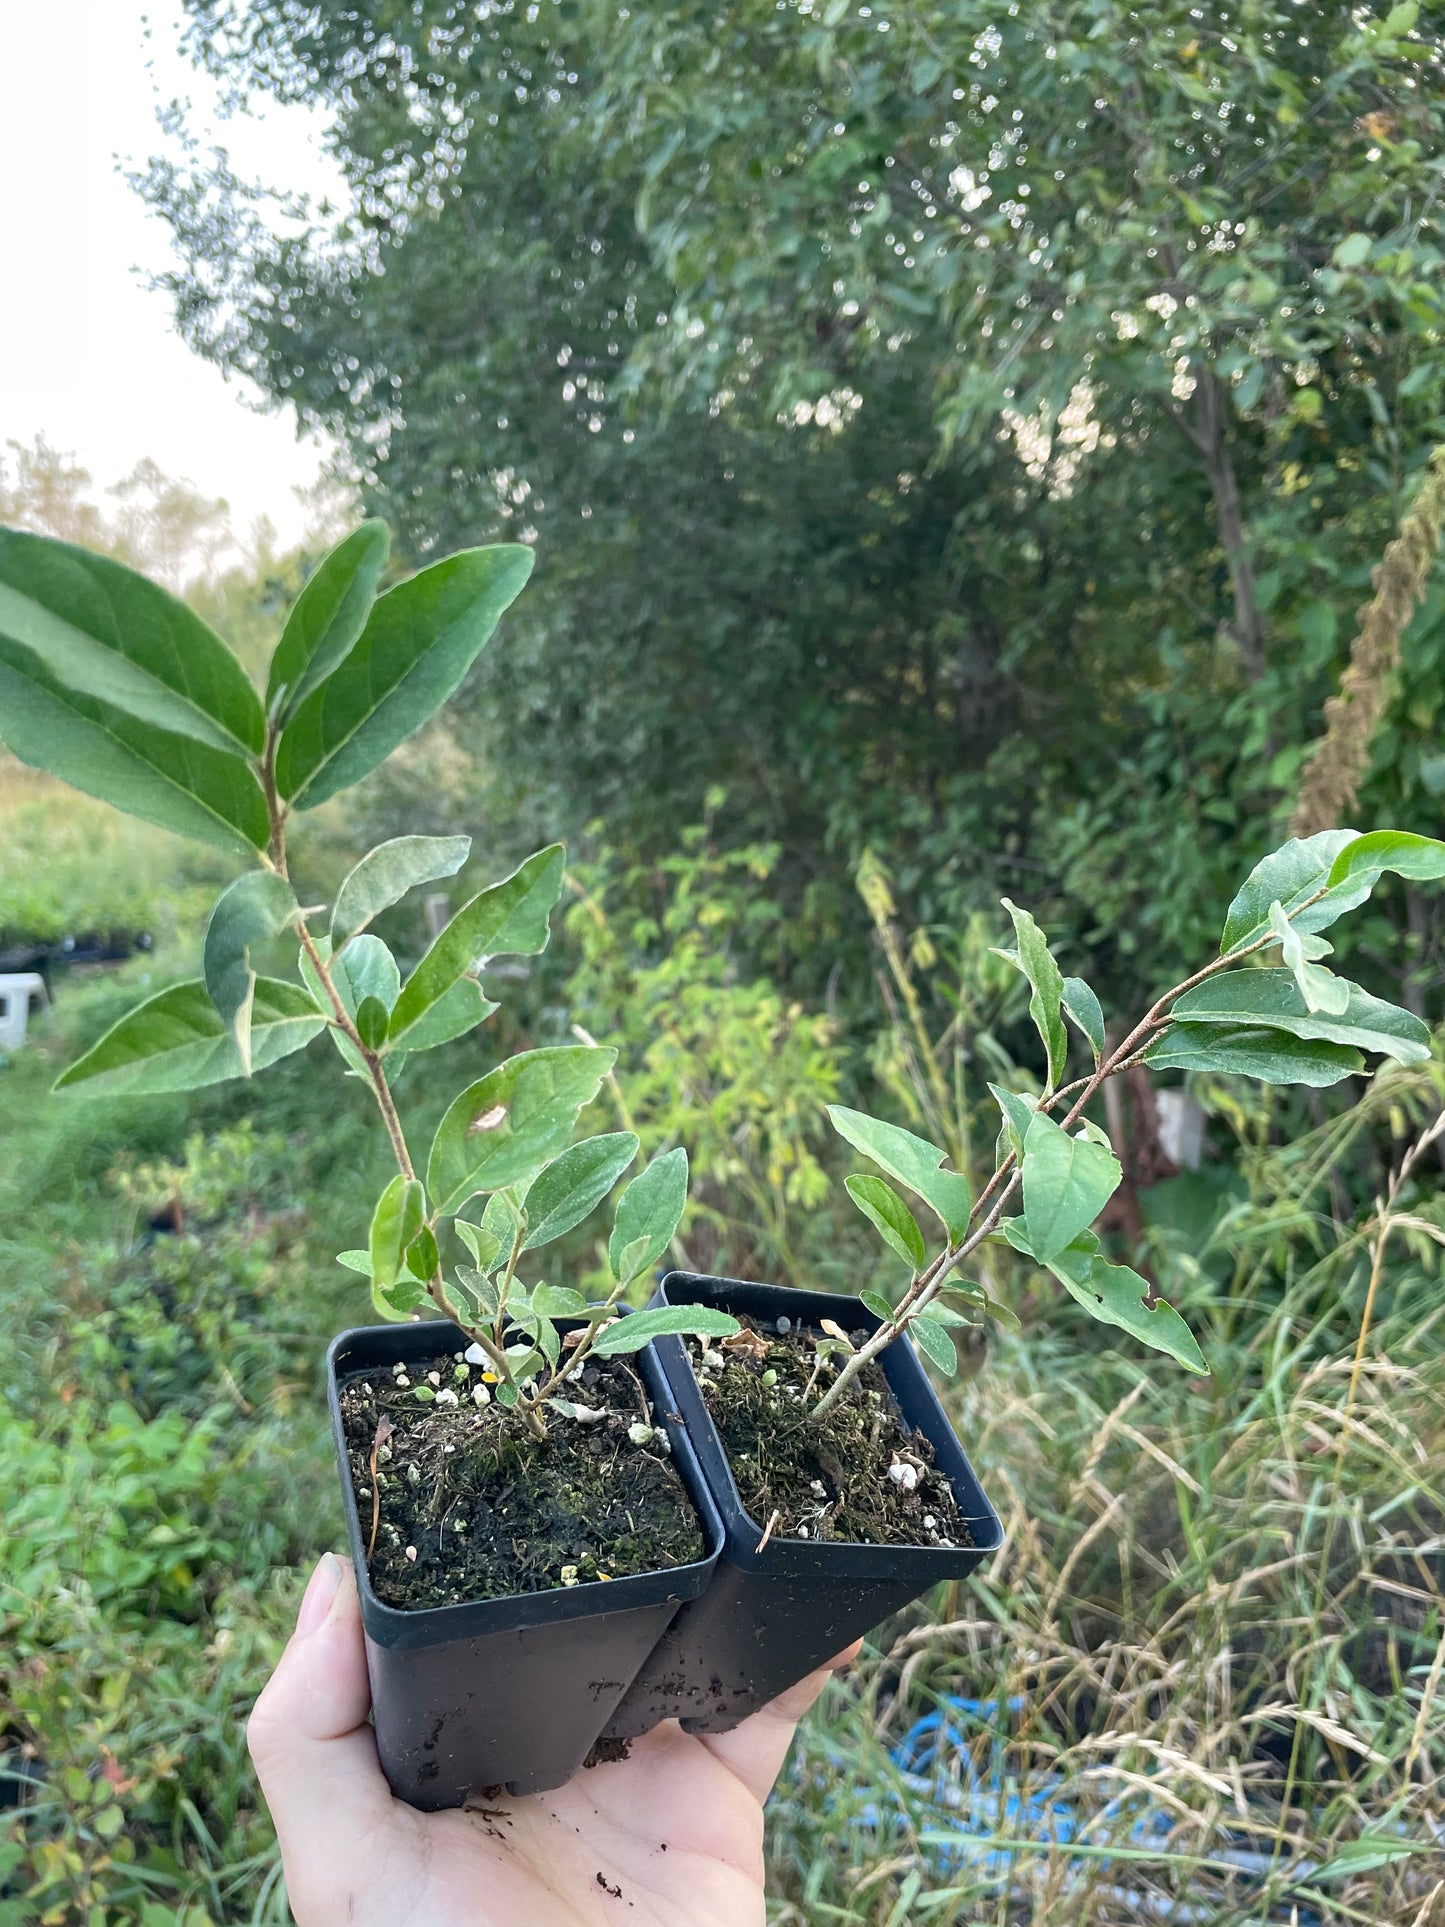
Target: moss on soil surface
(489,1510)
(830,1480)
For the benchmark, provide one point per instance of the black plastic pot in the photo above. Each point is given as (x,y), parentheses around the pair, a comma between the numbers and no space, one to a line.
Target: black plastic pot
(506,1692)
(771,1617)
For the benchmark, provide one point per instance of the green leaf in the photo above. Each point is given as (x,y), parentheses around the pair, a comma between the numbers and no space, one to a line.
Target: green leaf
(394,1224)
(509,919)
(1034,958)
(504,1128)
(385,874)
(574,1184)
(171,780)
(1273,1056)
(648,1214)
(1366,859)
(912,1161)
(101,630)
(255,907)
(355,1261)
(485,1246)
(420,639)
(1293,874)
(1115,1296)
(934,1339)
(502,1220)
(1352,252)
(327,617)
(1321,989)
(896,1224)
(371,1022)
(1273,997)
(463,1007)
(366,968)
(422,1257)
(687,1321)
(1087,1013)
(878,1305)
(559,1301)
(396,1303)
(1067,1183)
(175,1041)
(1018,1114)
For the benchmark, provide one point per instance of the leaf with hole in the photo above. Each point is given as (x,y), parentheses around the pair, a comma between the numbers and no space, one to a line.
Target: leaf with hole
(509,919)
(254,908)
(385,875)
(648,1214)
(911,1161)
(176,1041)
(887,1212)
(420,639)
(326,618)
(1067,1183)
(685,1321)
(1115,1295)
(575,1184)
(504,1128)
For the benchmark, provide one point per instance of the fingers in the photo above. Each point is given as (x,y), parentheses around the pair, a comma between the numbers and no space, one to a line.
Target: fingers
(755,1751)
(314,1752)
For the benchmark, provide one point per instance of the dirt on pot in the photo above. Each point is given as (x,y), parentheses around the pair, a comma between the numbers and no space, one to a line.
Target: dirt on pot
(858,1475)
(469,1505)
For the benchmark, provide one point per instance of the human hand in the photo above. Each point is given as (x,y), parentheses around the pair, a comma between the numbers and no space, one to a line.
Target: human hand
(671,1837)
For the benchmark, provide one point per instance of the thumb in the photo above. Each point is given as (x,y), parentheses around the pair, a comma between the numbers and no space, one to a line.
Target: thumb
(314,1752)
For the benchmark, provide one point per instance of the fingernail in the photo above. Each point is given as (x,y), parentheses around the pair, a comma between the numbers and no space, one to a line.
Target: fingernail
(320,1592)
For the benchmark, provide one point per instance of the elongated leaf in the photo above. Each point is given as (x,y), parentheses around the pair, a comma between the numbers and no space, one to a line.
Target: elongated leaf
(648,1214)
(1273,997)
(419,641)
(896,1224)
(394,1224)
(371,1022)
(1067,1183)
(172,780)
(485,1246)
(327,617)
(688,1321)
(574,1184)
(355,1261)
(878,1305)
(1273,1056)
(101,630)
(509,918)
(1321,989)
(504,1128)
(1018,1114)
(1292,874)
(1084,1008)
(175,1041)
(928,1332)
(385,874)
(910,1160)
(253,908)
(461,1009)
(366,968)
(1366,859)
(1115,1296)
(423,1259)
(1034,958)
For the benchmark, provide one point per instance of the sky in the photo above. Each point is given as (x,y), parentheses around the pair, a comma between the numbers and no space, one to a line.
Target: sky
(88,357)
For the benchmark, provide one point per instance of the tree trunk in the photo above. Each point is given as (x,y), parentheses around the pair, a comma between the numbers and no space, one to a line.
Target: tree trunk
(1211,440)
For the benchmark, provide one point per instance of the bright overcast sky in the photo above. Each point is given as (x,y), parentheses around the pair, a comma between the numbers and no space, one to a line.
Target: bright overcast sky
(87,354)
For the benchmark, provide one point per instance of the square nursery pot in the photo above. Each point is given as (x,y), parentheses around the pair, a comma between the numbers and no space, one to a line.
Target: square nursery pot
(769,1618)
(509,1692)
